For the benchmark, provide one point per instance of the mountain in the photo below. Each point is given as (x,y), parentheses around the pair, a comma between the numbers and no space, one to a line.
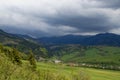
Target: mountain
(99,39)
(68,39)
(22,44)
(109,39)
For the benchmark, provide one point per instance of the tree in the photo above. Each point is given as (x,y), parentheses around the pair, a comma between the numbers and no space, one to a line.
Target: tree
(1,48)
(32,60)
(16,57)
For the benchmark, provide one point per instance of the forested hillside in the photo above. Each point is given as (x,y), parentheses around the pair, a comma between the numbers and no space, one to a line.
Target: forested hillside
(21,43)
(102,56)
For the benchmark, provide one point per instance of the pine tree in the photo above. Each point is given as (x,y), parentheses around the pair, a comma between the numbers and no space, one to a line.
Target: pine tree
(16,57)
(1,48)
(32,60)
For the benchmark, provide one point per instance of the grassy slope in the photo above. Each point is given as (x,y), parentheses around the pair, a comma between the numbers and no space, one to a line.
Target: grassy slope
(12,71)
(60,71)
(93,74)
(103,74)
(9,70)
(98,54)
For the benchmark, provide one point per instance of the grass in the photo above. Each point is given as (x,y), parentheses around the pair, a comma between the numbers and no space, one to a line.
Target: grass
(97,74)
(10,70)
(92,74)
(96,54)
(61,70)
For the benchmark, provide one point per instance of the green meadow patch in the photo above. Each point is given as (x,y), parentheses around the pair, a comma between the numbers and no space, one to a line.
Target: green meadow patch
(86,73)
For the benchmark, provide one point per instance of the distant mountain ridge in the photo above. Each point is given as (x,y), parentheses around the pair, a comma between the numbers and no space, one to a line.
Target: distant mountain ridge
(68,39)
(109,39)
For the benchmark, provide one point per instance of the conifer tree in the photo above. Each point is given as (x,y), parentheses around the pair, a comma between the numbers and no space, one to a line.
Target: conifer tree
(16,57)
(32,60)
(1,48)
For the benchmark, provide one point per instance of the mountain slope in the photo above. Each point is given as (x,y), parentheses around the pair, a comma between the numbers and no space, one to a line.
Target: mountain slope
(68,39)
(109,39)
(94,55)
(24,45)
(103,39)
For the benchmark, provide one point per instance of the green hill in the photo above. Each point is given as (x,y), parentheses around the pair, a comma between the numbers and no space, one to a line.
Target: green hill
(12,66)
(101,56)
(23,45)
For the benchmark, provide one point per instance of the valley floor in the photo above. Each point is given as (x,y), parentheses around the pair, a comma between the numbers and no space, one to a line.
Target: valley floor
(85,73)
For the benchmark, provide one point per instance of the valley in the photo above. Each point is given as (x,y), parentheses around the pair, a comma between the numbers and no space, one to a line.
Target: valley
(77,62)
(60,40)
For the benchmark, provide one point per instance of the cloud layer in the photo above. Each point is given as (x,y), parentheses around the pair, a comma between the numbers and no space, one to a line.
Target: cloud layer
(54,17)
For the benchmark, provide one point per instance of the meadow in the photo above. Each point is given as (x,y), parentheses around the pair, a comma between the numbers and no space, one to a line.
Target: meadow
(83,73)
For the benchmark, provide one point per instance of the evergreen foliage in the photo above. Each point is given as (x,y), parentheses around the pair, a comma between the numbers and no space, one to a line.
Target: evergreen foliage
(9,70)
(32,60)
(16,57)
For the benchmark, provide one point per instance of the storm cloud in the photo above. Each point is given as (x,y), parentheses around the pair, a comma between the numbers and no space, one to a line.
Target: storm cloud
(54,18)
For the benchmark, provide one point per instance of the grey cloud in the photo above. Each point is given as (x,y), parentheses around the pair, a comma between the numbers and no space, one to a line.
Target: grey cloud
(84,24)
(53,17)
(110,3)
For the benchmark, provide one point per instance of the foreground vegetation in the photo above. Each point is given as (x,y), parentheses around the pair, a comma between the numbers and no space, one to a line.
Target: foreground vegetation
(13,67)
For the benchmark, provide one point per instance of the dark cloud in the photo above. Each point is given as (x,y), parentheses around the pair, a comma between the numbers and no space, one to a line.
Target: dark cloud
(84,24)
(53,17)
(110,3)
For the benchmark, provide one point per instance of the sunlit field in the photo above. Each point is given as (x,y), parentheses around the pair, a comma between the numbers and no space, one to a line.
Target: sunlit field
(89,73)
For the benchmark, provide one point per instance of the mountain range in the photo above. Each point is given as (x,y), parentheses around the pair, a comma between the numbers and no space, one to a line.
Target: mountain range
(108,39)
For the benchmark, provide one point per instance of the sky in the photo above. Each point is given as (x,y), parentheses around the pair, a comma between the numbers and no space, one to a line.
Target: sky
(39,18)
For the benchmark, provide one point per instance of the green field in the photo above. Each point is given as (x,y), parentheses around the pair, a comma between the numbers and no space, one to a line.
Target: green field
(89,73)
(107,55)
